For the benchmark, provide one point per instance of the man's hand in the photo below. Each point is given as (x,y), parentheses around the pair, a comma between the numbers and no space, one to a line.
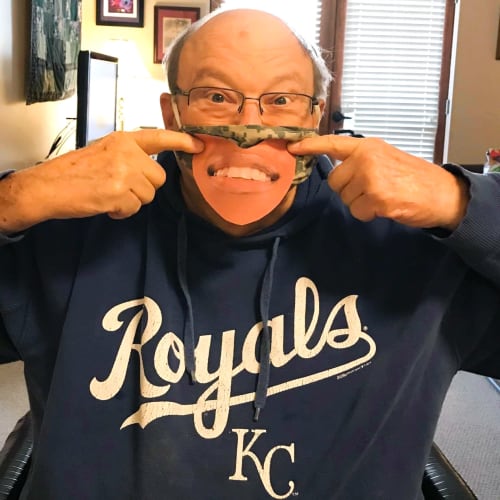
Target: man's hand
(375,179)
(113,175)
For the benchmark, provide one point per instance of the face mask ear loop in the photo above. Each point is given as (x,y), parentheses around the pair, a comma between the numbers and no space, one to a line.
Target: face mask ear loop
(177,116)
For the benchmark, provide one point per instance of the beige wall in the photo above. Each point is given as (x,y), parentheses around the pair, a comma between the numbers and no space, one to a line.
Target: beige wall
(97,37)
(141,93)
(475,117)
(28,131)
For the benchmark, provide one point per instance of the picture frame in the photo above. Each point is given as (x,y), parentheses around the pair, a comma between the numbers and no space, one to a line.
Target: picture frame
(55,37)
(128,13)
(169,21)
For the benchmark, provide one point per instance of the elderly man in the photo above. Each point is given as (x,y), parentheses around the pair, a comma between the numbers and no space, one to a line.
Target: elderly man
(242,320)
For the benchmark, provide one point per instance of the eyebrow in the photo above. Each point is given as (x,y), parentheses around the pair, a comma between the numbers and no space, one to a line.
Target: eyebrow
(209,73)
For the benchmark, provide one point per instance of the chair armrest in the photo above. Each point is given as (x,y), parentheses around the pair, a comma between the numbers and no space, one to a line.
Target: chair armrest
(14,458)
(441,480)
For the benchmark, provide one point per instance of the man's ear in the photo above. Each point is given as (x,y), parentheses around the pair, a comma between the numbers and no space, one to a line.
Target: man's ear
(167,111)
(318,112)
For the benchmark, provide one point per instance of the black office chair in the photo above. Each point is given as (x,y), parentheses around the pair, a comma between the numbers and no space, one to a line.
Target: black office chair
(15,457)
(441,480)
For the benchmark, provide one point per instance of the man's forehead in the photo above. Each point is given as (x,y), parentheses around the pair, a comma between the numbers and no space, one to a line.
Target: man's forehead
(244,21)
(233,41)
(240,28)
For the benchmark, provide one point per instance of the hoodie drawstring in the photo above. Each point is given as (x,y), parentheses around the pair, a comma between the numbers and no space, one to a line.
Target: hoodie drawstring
(189,356)
(265,300)
(265,342)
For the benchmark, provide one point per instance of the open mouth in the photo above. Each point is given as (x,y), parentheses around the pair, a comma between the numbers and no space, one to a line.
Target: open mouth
(243,185)
(246,173)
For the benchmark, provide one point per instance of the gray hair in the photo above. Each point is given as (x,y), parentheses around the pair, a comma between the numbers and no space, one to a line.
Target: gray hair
(322,76)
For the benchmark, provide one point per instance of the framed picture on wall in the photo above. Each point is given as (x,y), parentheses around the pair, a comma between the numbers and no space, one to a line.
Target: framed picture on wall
(169,22)
(55,35)
(120,13)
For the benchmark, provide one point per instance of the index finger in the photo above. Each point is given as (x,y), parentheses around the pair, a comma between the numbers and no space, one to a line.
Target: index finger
(153,141)
(336,146)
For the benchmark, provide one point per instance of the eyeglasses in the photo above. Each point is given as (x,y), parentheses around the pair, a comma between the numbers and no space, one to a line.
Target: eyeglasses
(222,103)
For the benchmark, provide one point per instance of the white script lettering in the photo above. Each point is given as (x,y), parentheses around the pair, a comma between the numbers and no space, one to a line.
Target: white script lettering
(217,396)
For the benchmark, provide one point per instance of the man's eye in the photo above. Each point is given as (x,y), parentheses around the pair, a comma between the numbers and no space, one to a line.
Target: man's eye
(218,98)
(281,100)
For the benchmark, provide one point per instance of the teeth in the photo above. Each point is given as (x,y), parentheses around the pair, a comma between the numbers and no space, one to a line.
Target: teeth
(243,173)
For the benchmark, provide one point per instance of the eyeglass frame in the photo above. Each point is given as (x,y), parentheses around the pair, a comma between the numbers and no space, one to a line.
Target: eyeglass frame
(187,93)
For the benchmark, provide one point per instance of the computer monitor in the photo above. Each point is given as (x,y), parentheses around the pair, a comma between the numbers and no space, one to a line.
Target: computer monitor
(97,79)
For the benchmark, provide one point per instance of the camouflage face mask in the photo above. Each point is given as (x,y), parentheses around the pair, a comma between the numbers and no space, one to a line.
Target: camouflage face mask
(246,171)
(246,136)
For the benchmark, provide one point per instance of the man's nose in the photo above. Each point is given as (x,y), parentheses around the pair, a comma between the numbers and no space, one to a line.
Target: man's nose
(250,113)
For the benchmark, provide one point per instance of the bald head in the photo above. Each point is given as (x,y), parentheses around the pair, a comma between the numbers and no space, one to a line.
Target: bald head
(243,27)
(242,20)
(252,36)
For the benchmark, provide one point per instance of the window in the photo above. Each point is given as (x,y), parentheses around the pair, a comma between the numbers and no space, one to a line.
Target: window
(394,71)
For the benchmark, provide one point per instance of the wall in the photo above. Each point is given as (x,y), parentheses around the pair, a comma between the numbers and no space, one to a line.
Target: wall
(142,92)
(96,37)
(475,116)
(28,131)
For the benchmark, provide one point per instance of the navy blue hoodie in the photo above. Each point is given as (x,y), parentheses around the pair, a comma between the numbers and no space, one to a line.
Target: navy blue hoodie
(143,341)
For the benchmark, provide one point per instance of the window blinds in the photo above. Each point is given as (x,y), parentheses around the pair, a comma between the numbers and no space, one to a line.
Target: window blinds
(391,73)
